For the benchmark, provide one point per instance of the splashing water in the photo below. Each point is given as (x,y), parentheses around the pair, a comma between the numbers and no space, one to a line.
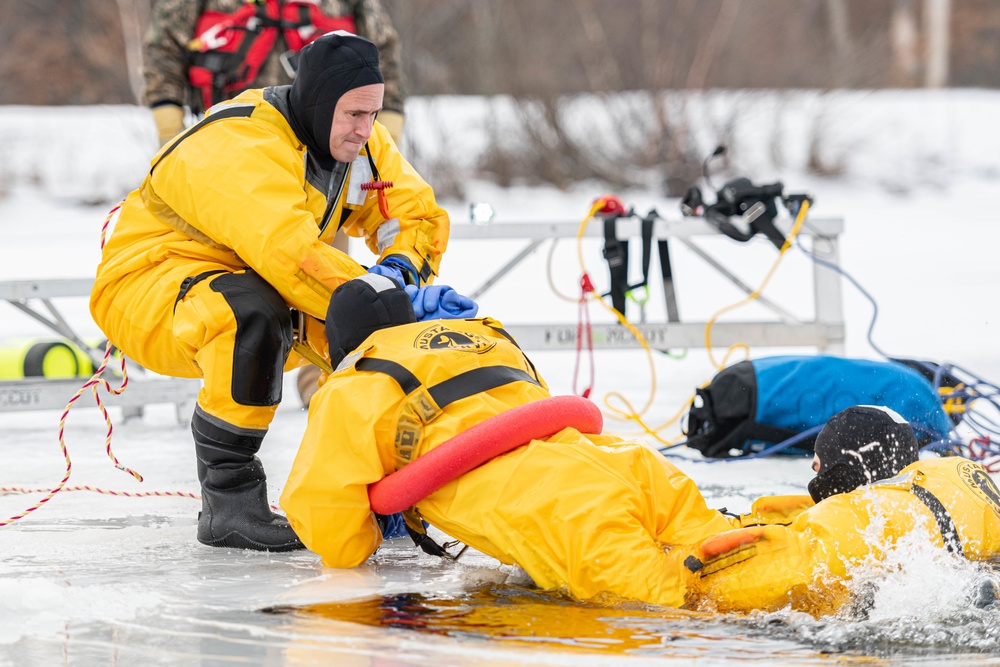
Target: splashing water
(910,598)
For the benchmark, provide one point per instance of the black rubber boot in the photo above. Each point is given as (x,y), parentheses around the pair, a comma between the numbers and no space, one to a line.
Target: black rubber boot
(234,508)
(235,512)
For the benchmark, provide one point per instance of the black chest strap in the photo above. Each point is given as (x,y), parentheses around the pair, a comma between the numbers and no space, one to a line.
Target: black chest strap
(469,383)
(460,386)
(949,533)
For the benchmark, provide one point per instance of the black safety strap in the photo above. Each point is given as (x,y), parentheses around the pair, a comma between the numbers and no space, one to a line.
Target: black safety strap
(647,249)
(235,111)
(476,381)
(949,533)
(455,388)
(371,163)
(426,543)
(765,225)
(667,274)
(304,18)
(616,254)
(338,175)
(768,433)
(344,215)
(720,220)
(406,380)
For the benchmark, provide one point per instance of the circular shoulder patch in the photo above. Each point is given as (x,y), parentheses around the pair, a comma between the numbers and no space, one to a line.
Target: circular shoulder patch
(977,479)
(440,337)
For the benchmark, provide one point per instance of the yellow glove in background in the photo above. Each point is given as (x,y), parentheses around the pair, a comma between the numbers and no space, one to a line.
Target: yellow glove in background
(169,121)
(775,510)
(394,122)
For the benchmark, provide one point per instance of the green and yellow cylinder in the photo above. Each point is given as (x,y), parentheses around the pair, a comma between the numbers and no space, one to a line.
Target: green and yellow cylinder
(48,358)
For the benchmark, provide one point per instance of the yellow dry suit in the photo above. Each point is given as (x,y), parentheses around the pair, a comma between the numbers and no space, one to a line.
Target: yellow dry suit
(591,514)
(807,563)
(229,230)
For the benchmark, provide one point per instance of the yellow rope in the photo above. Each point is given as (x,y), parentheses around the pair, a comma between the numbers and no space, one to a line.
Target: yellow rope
(548,274)
(800,218)
(629,412)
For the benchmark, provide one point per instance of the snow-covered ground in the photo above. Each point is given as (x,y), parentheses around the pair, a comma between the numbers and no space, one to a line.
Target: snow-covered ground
(94,578)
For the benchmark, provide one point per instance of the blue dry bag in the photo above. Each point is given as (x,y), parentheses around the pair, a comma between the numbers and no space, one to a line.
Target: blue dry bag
(753,404)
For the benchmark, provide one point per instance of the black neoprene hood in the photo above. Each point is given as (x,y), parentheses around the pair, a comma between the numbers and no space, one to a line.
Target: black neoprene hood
(861,445)
(362,306)
(330,66)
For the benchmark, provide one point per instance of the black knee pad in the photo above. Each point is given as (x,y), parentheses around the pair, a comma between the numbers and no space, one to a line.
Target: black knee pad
(263,337)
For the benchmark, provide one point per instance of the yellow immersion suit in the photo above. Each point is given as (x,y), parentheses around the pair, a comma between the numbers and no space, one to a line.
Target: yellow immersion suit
(591,514)
(237,195)
(807,563)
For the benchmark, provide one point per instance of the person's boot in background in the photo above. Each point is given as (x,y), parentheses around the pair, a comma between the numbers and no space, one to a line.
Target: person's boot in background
(307,382)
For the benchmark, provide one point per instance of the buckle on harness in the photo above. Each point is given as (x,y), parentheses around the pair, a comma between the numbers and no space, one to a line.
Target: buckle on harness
(614,252)
(418,409)
(415,528)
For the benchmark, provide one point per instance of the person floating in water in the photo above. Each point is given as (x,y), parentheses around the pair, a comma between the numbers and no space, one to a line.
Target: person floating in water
(870,491)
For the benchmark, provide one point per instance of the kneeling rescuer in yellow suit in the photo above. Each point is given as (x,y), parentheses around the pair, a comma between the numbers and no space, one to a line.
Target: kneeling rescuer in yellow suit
(220,263)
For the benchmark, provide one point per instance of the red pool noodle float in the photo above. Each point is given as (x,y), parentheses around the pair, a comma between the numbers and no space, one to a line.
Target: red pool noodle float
(471,448)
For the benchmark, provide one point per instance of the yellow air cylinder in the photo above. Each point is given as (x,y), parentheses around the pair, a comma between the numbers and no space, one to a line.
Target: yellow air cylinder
(43,358)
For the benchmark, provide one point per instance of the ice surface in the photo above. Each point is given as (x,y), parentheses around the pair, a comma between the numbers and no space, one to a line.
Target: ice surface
(91,578)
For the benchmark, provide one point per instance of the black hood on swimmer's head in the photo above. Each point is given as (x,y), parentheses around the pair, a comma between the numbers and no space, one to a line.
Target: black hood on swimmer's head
(861,445)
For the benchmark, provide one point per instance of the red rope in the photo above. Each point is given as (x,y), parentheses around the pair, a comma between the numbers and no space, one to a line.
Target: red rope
(107,222)
(981,451)
(94,383)
(108,492)
(583,329)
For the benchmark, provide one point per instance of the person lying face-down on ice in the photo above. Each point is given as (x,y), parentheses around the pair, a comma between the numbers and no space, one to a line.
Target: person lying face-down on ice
(870,491)
(589,514)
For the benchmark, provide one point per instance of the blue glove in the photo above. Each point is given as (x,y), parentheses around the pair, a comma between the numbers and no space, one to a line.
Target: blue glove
(398,268)
(392,525)
(440,302)
(458,306)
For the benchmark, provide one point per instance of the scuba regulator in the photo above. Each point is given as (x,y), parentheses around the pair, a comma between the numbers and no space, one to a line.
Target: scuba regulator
(742,209)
